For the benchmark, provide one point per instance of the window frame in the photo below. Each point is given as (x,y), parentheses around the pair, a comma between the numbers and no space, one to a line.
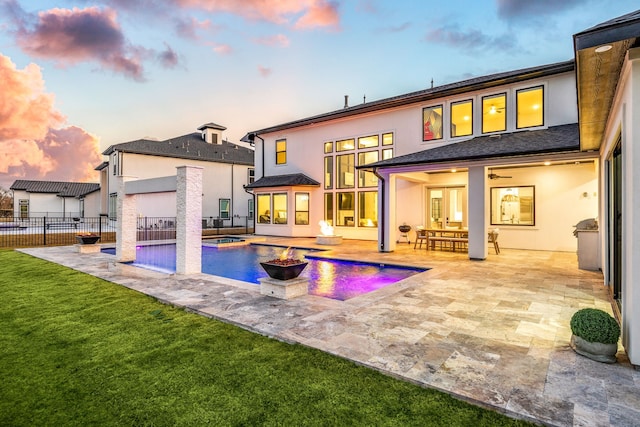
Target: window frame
(341,177)
(281,151)
(506,109)
(264,218)
(276,218)
(424,122)
(495,191)
(451,124)
(301,213)
(224,208)
(328,172)
(542,106)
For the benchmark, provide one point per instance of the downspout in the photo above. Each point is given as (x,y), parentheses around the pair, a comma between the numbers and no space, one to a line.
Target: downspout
(382,222)
(231,208)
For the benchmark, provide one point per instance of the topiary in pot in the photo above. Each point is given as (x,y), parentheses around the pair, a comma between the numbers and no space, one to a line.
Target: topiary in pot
(595,334)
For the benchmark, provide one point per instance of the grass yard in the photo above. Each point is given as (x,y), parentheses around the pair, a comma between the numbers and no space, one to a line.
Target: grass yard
(77,350)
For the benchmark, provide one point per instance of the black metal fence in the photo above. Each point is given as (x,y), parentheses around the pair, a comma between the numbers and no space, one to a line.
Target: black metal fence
(18,232)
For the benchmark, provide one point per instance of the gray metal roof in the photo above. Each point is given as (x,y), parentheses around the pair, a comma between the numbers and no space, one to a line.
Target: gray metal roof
(555,139)
(190,146)
(475,83)
(59,188)
(295,179)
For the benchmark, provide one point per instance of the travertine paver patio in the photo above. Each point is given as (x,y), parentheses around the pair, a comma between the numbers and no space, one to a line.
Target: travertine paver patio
(493,332)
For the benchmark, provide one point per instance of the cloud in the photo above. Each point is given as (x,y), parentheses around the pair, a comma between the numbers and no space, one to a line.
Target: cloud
(276,40)
(305,13)
(221,49)
(71,36)
(168,57)
(527,9)
(187,28)
(264,71)
(470,41)
(33,142)
(398,28)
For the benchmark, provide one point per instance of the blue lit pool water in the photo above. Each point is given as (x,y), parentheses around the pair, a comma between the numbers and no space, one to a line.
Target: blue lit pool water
(334,279)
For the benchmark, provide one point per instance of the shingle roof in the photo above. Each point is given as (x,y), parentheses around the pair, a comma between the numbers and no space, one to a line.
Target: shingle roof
(60,188)
(212,126)
(298,179)
(190,146)
(545,141)
(620,28)
(475,83)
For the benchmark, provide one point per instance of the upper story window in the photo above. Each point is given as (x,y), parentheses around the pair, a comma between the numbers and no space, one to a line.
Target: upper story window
(462,118)
(432,123)
(529,106)
(251,175)
(368,141)
(281,151)
(328,147)
(387,138)
(345,145)
(494,113)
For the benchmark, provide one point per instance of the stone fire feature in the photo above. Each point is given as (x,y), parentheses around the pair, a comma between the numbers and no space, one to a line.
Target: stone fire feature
(328,240)
(284,289)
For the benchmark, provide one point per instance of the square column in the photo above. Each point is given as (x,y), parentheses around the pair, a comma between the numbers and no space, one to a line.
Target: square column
(189,220)
(386,213)
(126,224)
(478,248)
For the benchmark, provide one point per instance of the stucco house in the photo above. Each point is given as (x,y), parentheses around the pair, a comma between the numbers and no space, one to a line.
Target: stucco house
(227,168)
(55,199)
(531,152)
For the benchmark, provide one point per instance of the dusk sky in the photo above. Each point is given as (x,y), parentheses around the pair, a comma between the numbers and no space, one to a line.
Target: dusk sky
(79,76)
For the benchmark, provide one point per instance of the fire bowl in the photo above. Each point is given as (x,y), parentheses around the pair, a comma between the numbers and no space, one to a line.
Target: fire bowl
(283,272)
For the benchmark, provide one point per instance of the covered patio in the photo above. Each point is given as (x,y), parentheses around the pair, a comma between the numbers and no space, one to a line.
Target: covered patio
(495,333)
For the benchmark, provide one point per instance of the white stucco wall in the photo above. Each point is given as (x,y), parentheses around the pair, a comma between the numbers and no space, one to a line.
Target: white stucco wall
(220,180)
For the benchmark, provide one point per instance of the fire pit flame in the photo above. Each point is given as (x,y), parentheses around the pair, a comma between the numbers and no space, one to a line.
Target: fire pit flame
(325,228)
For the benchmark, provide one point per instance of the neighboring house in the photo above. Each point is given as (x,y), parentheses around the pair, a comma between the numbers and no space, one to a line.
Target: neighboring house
(55,199)
(531,152)
(227,168)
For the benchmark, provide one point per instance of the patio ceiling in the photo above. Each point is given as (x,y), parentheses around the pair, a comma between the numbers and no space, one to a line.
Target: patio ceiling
(598,71)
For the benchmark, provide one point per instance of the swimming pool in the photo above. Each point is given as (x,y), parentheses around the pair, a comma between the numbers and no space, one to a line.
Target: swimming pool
(329,278)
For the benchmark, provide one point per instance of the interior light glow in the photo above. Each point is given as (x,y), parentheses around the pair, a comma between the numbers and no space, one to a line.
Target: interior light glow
(454,170)
(547,163)
(603,48)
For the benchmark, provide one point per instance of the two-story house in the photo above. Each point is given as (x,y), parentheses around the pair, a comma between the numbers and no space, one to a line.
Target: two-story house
(531,152)
(227,168)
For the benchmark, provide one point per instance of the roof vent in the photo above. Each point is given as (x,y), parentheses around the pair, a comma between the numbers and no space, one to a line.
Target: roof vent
(346,101)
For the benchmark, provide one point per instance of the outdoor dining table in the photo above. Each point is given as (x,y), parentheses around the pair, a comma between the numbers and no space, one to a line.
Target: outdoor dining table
(443,235)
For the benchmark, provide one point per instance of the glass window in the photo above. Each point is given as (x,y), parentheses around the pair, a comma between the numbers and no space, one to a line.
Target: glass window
(113,205)
(494,113)
(345,170)
(281,152)
(432,123)
(513,205)
(368,141)
(529,104)
(387,153)
(328,208)
(387,138)
(367,178)
(250,210)
(368,209)
(328,147)
(345,145)
(462,118)
(264,208)
(328,172)
(346,209)
(251,175)
(280,208)
(302,208)
(225,208)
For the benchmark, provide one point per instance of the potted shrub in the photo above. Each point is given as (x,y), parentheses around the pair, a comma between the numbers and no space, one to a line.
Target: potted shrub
(595,334)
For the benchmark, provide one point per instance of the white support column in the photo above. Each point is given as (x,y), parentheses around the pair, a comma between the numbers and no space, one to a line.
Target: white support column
(189,220)
(126,225)
(478,248)
(387,210)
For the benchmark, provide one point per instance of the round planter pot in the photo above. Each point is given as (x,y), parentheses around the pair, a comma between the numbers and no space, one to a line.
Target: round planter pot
(594,350)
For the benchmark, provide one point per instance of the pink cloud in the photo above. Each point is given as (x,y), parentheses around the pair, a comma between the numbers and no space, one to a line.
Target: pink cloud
(188,28)
(311,13)
(222,49)
(264,71)
(33,145)
(276,40)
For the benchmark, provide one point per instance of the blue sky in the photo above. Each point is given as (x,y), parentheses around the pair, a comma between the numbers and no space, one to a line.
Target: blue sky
(88,74)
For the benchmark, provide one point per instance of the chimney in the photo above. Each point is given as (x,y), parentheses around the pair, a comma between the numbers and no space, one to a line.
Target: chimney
(346,101)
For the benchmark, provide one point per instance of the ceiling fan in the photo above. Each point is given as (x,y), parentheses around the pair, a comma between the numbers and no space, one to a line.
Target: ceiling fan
(496,176)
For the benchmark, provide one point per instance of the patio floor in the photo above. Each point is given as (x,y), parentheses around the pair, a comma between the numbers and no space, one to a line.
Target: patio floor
(494,332)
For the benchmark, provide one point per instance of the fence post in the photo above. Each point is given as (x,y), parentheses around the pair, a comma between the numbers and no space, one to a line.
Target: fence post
(44,230)
(100,226)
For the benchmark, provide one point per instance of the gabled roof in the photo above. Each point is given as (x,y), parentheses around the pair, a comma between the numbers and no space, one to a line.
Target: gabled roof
(212,126)
(469,85)
(294,179)
(59,188)
(101,166)
(190,146)
(555,139)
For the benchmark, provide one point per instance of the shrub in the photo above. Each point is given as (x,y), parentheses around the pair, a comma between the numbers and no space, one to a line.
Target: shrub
(595,325)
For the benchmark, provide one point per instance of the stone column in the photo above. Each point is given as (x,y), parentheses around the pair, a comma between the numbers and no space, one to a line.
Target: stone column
(478,248)
(126,224)
(189,220)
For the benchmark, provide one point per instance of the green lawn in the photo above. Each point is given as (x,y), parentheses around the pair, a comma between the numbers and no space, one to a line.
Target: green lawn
(77,350)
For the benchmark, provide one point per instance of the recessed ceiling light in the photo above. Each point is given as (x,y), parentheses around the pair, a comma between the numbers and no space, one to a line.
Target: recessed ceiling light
(454,170)
(603,48)
(547,163)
